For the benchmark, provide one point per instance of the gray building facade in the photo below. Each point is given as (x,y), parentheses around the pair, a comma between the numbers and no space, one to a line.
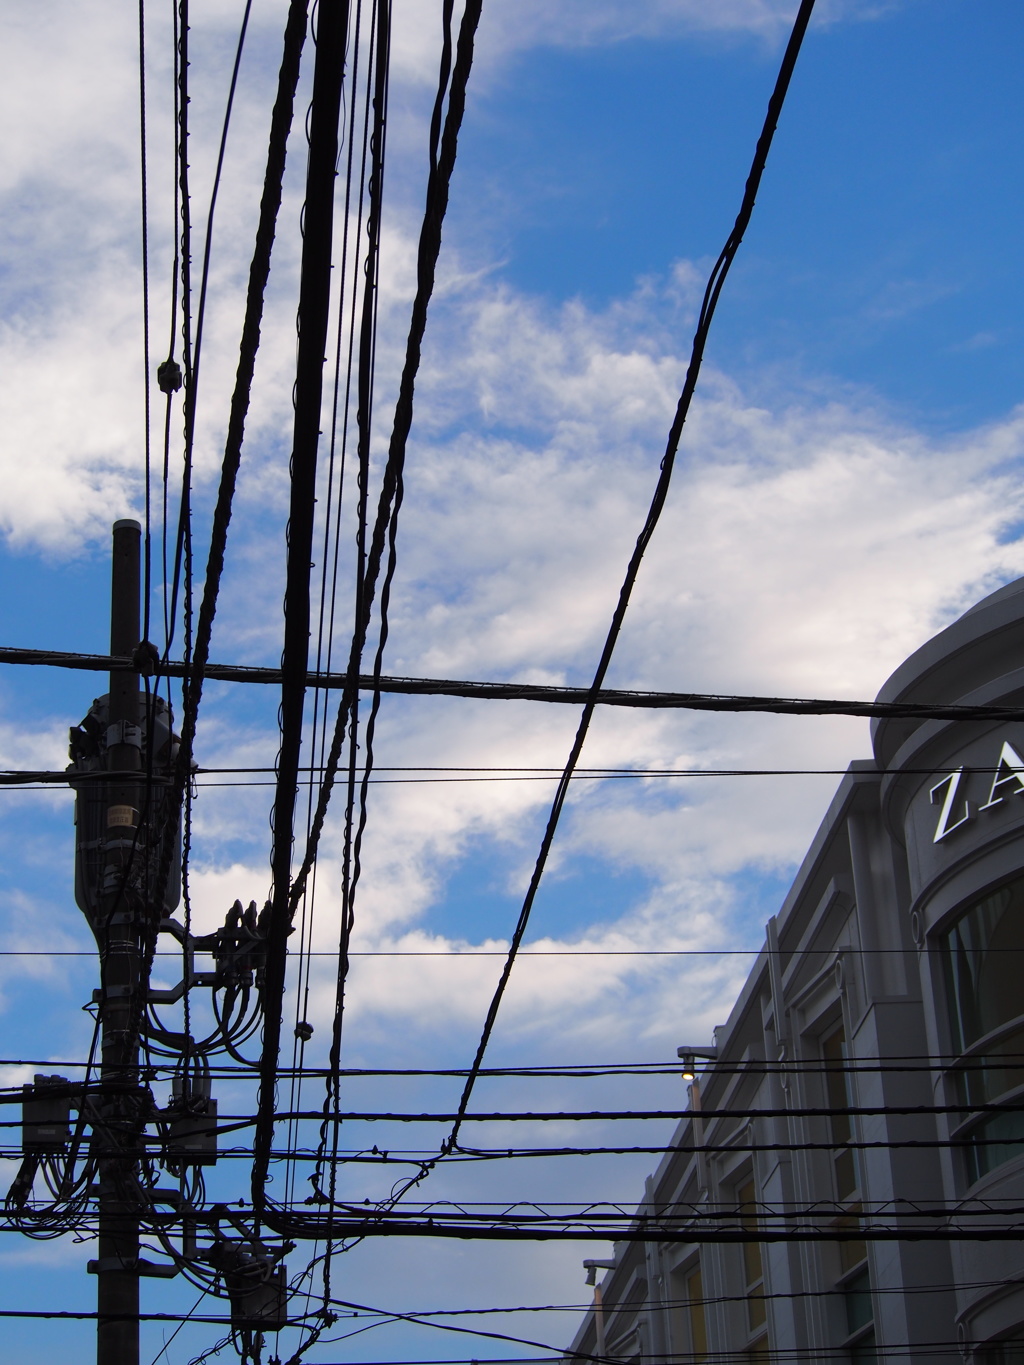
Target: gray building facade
(851,1170)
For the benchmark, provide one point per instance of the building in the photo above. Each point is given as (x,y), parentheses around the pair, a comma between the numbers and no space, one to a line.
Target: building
(851,1169)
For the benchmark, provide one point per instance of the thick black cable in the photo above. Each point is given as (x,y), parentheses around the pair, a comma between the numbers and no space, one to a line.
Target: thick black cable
(371,196)
(147,404)
(678,1115)
(426,266)
(204,277)
(339,450)
(259,272)
(438,190)
(169,373)
(799,1066)
(58,777)
(313,315)
(380,44)
(573,696)
(374,144)
(418,1314)
(335,503)
(183,537)
(442,152)
(317,1227)
(711,296)
(453,1327)
(443,149)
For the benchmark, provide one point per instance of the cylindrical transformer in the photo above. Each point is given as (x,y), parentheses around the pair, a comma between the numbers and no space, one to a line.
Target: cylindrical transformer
(98,822)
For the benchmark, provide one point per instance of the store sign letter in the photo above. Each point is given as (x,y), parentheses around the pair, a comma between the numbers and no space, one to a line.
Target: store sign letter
(956,809)
(1009,769)
(946,823)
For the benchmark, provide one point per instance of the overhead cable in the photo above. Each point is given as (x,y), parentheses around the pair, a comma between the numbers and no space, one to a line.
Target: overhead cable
(572,696)
(438,190)
(259,271)
(707,312)
(313,315)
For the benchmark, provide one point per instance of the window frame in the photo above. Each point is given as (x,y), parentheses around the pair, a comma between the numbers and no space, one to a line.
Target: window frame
(971,1117)
(685,1307)
(754,1291)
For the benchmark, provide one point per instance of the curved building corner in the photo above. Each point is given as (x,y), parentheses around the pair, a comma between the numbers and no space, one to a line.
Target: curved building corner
(848,1183)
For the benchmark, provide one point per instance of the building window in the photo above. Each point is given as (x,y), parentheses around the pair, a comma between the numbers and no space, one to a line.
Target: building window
(981,957)
(753,1275)
(854,1283)
(1009,1351)
(840,1102)
(688,1314)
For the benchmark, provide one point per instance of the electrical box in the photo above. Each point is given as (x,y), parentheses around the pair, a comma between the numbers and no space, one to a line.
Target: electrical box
(46,1117)
(260,1303)
(98,825)
(256,1282)
(191,1123)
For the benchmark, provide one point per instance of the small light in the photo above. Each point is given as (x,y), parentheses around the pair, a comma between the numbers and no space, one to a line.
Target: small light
(688,1056)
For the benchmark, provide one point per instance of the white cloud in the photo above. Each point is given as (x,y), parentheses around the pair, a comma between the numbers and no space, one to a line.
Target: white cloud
(517,24)
(806,548)
(810,542)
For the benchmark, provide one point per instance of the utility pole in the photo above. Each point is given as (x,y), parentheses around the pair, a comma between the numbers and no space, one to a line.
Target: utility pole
(119,930)
(122,758)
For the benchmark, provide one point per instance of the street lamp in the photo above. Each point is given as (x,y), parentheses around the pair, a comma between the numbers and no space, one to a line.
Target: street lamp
(592,1267)
(688,1055)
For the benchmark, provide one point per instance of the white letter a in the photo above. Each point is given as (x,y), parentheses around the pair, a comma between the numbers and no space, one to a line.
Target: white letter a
(1010,768)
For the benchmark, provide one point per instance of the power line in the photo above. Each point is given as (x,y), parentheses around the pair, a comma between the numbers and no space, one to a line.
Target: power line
(312,325)
(147,392)
(711,296)
(589,1070)
(506,691)
(30,779)
(259,272)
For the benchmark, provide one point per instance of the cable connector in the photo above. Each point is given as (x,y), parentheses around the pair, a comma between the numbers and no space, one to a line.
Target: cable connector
(146,658)
(168,376)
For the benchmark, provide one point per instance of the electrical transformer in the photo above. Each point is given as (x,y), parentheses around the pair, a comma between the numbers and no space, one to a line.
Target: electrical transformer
(142,831)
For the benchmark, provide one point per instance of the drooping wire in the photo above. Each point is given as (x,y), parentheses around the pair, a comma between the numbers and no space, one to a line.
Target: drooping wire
(438,187)
(389,503)
(334,503)
(707,312)
(204,278)
(183,538)
(259,272)
(313,318)
(375,142)
(169,373)
(443,149)
(147,406)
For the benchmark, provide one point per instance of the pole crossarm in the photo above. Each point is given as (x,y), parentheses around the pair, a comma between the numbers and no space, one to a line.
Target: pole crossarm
(514,691)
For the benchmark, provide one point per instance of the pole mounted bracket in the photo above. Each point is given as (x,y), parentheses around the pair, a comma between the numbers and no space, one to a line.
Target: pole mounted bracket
(132,1265)
(104,993)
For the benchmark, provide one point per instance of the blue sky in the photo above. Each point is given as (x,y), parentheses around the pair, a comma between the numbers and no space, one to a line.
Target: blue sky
(849,482)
